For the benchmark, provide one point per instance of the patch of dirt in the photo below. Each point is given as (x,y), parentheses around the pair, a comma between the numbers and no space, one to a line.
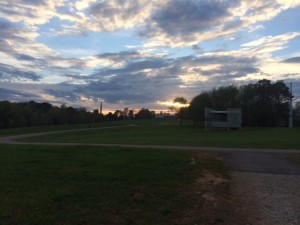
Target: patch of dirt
(207,194)
(237,207)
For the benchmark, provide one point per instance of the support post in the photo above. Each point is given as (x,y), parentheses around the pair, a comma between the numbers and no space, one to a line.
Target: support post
(291,107)
(101,108)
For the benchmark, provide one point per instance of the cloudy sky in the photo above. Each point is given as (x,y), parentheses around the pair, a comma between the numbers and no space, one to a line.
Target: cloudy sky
(141,53)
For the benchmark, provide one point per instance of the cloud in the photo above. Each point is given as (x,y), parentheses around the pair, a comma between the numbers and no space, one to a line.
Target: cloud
(24,57)
(162,22)
(10,73)
(64,94)
(30,12)
(188,22)
(132,88)
(278,40)
(288,3)
(255,28)
(133,67)
(147,80)
(119,55)
(19,43)
(19,47)
(116,59)
(15,95)
(181,18)
(116,14)
(292,60)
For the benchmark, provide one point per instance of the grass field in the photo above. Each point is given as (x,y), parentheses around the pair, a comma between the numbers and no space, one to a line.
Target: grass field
(89,185)
(37,129)
(173,134)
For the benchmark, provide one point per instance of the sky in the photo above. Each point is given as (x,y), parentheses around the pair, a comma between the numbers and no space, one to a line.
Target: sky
(141,53)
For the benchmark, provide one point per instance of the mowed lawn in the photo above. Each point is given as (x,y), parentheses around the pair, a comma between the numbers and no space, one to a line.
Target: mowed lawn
(92,185)
(37,129)
(173,134)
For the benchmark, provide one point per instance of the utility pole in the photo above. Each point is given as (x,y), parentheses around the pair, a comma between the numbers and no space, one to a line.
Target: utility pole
(100,107)
(291,107)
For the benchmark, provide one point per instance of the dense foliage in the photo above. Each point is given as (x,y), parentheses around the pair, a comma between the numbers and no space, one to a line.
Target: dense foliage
(263,103)
(296,114)
(27,114)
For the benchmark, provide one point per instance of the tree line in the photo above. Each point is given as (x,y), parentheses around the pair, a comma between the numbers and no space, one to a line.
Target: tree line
(263,104)
(27,114)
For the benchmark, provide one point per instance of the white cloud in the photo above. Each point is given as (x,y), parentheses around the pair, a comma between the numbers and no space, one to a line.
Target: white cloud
(29,12)
(255,28)
(270,44)
(164,23)
(289,3)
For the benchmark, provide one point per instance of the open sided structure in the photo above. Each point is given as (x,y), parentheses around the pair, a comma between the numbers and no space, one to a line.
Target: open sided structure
(231,118)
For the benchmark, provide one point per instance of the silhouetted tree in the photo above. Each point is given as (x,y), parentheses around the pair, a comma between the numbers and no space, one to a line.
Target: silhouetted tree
(144,114)
(36,114)
(263,103)
(180,108)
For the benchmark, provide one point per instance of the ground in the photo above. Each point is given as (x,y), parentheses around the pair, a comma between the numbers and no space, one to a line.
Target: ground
(260,189)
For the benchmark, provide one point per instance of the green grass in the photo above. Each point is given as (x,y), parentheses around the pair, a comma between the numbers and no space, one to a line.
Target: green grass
(92,185)
(37,129)
(278,138)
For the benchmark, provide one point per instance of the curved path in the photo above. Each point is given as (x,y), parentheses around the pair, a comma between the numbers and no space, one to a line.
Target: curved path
(237,159)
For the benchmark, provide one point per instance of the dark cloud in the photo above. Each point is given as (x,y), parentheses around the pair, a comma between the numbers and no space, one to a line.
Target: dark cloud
(116,14)
(76,76)
(25,57)
(15,95)
(197,48)
(220,60)
(69,95)
(134,67)
(47,60)
(147,81)
(120,56)
(34,2)
(9,30)
(11,73)
(23,92)
(292,60)
(185,17)
(131,88)
(232,25)
(231,71)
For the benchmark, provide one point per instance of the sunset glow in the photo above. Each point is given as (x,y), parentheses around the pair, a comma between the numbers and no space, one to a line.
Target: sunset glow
(174,104)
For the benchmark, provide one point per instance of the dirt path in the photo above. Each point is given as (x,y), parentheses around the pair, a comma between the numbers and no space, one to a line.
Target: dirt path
(14,140)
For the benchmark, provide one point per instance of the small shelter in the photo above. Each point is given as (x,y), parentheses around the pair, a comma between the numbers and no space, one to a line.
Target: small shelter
(231,118)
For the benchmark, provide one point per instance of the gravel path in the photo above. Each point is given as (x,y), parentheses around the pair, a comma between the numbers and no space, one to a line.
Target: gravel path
(264,199)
